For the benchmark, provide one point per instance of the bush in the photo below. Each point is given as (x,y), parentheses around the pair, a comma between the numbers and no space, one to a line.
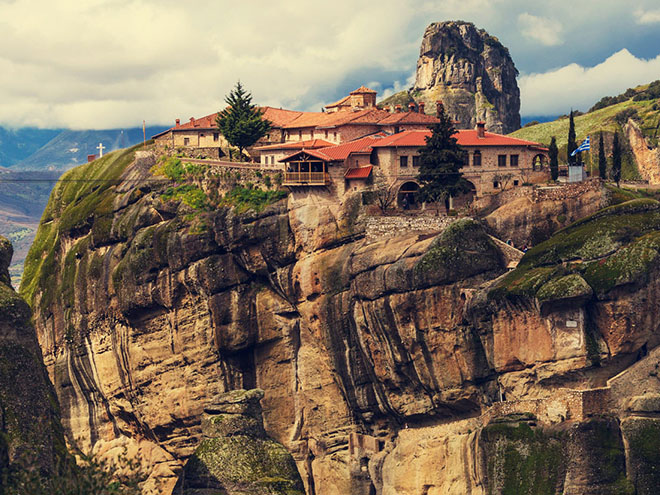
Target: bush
(191,195)
(625,114)
(251,199)
(90,476)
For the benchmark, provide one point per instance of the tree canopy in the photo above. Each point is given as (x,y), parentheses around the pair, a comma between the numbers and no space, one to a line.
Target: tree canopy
(554,160)
(616,159)
(242,123)
(602,160)
(440,162)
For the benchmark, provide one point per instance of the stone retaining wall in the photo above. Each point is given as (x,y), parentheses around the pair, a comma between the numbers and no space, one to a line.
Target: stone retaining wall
(565,404)
(378,227)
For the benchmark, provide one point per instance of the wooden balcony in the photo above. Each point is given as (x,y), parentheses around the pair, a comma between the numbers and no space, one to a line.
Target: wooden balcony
(306,179)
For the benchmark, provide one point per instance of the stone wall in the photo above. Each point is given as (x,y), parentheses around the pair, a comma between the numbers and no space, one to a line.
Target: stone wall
(378,227)
(565,404)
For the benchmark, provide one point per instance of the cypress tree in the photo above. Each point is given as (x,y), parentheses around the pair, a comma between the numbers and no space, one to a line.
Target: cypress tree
(440,162)
(554,161)
(602,161)
(616,159)
(242,123)
(572,145)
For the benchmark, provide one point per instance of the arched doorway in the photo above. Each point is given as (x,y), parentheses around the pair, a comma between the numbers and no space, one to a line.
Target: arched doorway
(408,192)
(464,199)
(538,162)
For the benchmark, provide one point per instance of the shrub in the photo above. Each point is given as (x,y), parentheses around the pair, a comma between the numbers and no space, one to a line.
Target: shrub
(191,195)
(252,199)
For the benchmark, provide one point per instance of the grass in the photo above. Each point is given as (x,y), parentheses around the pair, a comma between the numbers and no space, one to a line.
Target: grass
(589,124)
(244,199)
(82,197)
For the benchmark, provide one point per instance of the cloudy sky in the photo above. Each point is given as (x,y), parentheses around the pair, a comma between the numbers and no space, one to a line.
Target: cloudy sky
(112,63)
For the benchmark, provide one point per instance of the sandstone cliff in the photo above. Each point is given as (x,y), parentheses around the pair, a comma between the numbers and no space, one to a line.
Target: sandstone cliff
(471,72)
(386,365)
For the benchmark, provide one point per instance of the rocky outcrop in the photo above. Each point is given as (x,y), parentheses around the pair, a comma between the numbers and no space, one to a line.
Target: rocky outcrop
(646,157)
(31,436)
(471,72)
(380,360)
(235,456)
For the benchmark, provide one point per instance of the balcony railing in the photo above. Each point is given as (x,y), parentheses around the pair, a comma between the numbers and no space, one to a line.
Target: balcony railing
(306,179)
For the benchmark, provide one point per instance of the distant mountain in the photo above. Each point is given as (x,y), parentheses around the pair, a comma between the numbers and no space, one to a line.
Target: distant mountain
(69,148)
(18,144)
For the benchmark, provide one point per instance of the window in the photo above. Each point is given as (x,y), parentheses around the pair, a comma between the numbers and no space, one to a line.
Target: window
(513,160)
(501,160)
(335,136)
(326,134)
(416,161)
(300,135)
(312,134)
(515,182)
(476,159)
(186,141)
(216,136)
(496,184)
(403,161)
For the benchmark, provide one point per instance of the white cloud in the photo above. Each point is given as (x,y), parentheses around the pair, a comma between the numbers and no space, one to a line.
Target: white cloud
(556,91)
(647,16)
(110,63)
(546,31)
(113,63)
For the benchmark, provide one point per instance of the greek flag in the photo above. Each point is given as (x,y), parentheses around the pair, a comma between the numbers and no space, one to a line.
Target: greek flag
(585,146)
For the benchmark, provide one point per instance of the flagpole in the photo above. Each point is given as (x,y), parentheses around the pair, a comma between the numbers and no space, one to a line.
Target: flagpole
(591,160)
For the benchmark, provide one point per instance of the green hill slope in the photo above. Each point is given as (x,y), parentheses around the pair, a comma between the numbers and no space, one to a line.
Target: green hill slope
(639,103)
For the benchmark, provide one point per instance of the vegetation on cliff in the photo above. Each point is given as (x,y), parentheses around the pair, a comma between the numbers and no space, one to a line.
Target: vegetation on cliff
(614,247)
(81,202)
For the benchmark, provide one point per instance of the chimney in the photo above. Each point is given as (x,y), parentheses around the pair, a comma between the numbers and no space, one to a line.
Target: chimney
(421,106)
(411,107)
(439,107)
(397,108)
(481,130)
(178,122)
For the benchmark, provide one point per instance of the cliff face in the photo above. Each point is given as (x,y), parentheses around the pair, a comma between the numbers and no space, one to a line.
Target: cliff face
(471,72)
(30,433)
(380,361)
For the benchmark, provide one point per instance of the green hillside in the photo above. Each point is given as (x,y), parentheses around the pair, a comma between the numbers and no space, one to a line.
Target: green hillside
(591,123)
(642,104)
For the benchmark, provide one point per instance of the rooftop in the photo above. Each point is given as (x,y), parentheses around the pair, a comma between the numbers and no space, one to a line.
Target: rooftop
(467,137)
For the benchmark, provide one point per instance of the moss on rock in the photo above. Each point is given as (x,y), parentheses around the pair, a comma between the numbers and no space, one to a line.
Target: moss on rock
(571,286)
(615,246)
(461,251)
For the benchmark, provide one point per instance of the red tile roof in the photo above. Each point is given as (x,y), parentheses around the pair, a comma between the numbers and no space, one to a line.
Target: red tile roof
(341,151)
(409,118)
(362,89)
(358,173)
(343,101)
(313,153)
(296,145)
(466,137)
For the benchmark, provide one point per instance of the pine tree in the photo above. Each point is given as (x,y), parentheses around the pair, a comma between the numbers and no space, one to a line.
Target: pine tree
(554,161)
(602,161)
(440,162)
(572,145)
(616,159)
(242,123)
